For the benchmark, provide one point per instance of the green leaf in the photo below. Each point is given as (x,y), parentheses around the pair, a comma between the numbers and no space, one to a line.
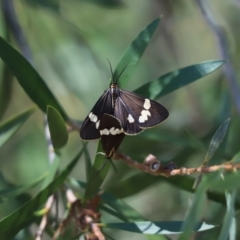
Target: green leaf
(128,187)
(13,223)
(148,227)
(195,142)
(88,163)
(53,168)
(194,211)
(124,211)
(133,53)
(9,127)
(174,80)
(216,140)
(6,83)
(214,144)
(236,158)
(229,182)
(229,218)
(17,190)
(98,173)
(186,182)
(166,137)
(51,5)
(29,79)
(57,128)
(108,3)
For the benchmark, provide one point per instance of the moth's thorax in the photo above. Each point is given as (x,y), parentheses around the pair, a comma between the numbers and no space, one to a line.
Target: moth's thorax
(114,93)
(114,87)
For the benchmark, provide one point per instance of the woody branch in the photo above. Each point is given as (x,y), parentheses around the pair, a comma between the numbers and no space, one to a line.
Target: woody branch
(153,166)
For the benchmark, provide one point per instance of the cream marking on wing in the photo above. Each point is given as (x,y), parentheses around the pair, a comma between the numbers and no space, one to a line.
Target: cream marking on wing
(97,124)
(104,132)
(144,116)
(116,131)
(92,117)
(130,118)
(147,104)
(112,131)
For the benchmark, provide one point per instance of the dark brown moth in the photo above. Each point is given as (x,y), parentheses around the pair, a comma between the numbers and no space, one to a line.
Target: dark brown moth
(118,107)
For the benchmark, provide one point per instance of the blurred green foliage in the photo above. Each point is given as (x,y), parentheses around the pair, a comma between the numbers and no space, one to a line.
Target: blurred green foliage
(70,42)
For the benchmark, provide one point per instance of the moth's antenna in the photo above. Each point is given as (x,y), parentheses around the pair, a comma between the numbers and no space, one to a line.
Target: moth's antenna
(121,73)
(111,69)
(113,73)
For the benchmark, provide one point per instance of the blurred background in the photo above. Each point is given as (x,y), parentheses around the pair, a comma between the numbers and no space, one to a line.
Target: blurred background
(70,42)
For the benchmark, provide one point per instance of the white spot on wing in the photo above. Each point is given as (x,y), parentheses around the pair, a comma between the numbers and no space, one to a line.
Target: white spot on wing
(144,116)
(116,131)
(92,117)
(97,124)
(112,131)
(130,118)
(104,132)
(147,104)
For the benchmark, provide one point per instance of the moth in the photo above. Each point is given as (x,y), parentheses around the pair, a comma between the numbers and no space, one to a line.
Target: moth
(134,112)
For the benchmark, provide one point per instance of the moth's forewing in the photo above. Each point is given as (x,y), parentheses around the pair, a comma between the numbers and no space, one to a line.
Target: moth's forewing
(137,113)
(90,127)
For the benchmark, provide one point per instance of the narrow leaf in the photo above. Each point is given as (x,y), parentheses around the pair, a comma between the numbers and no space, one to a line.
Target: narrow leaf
(13,223)
(124,211)
(123,189)
(17,190)
(109,4)
(29,79)
(174,80)
(57,128)
(195,210)
(88,163)
(229,217)
(98,173)
(53,5)
(134,52)
(9,127)
(236,158)
(128,186)
(230,182)
(214,144)
(52,172)
(148,227)
(216,140)
(6,83)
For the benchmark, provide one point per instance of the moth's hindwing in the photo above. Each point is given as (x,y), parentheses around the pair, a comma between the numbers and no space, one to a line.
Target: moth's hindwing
(90,126)
(111,133)
(137,113)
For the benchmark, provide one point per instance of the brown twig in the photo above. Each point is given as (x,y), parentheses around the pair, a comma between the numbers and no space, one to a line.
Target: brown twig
(85,216)
(153,166)
(96,230)
(73,201)
(43,224)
